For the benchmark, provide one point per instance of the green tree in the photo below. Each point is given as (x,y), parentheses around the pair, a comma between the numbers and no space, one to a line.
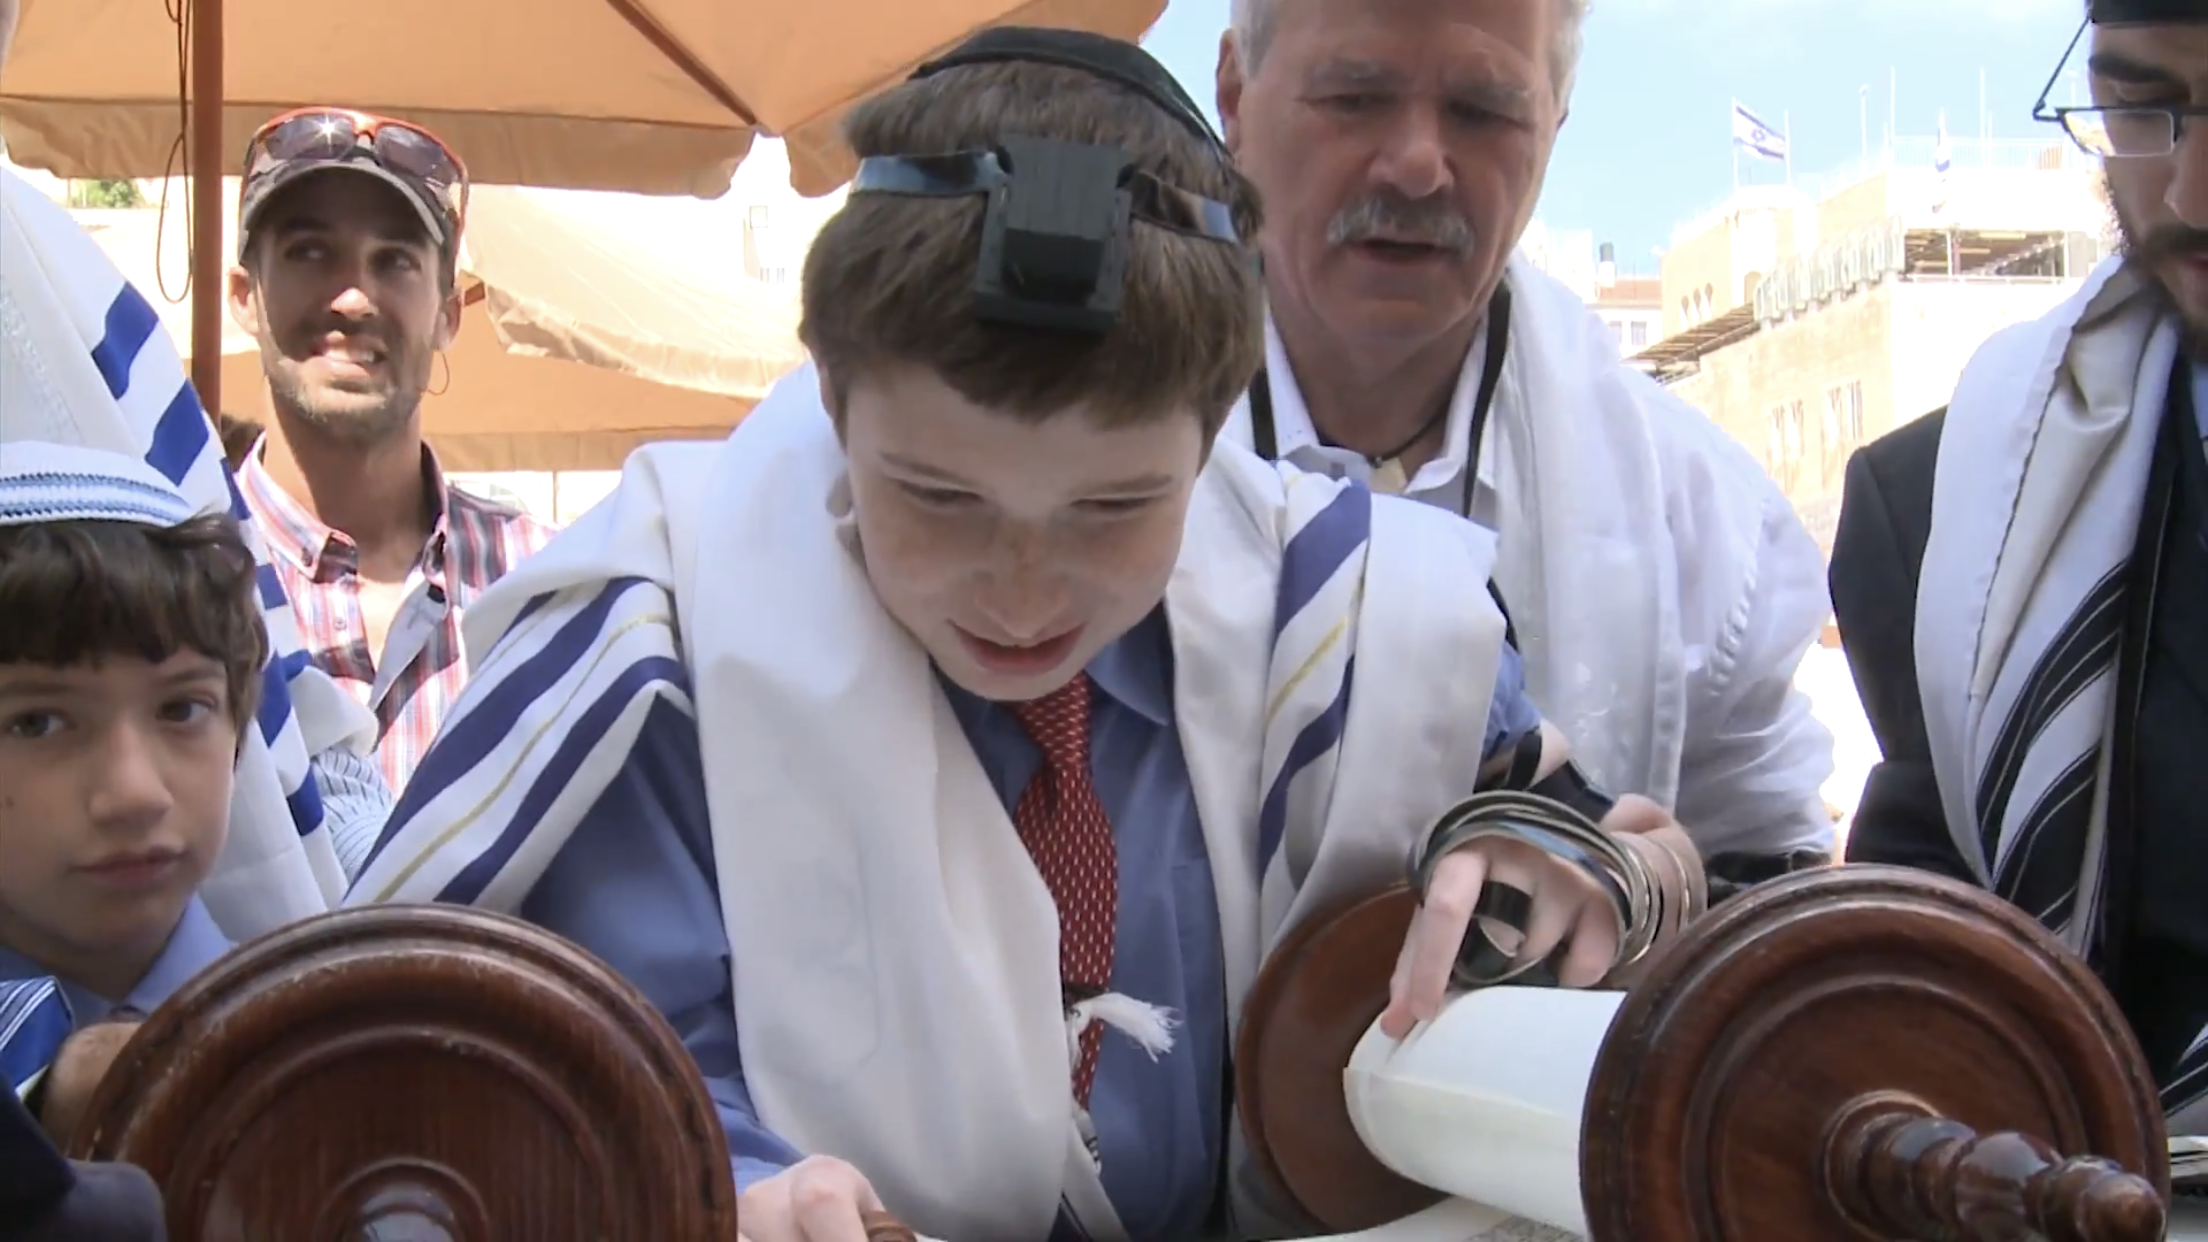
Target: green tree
(105,192)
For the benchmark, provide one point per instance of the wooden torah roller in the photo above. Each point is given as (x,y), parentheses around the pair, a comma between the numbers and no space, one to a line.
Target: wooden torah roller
(431,1073)
(1845,1053)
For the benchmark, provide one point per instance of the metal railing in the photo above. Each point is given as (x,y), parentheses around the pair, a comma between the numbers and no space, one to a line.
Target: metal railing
(1974,278)
(1841,266)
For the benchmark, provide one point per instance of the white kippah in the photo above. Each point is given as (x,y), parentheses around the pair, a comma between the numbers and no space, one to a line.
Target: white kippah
(42,482)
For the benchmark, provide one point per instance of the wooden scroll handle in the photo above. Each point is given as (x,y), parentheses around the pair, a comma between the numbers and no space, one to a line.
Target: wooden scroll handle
(882,1227)
(1900,1171)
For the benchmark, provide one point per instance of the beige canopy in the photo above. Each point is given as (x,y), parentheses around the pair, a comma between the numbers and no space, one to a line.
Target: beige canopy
(653,96)
(575,346)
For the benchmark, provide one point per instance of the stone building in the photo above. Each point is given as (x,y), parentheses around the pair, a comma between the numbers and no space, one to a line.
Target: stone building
(1810,321)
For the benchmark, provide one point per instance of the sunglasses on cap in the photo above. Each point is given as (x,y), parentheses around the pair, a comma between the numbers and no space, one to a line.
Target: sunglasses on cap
(334,135)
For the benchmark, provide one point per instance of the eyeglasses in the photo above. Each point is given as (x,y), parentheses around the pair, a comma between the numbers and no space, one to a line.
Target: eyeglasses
(2127,132)
(2122,132)
(335,134)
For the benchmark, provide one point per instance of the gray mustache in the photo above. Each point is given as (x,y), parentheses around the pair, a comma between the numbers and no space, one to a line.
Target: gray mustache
(1430,222)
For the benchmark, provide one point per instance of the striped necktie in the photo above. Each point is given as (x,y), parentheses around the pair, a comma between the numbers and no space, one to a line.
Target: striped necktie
(34,1020)
(1062,823)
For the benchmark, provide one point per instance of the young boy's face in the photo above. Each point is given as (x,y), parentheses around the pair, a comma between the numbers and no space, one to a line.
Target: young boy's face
(114,800)
(1013,550)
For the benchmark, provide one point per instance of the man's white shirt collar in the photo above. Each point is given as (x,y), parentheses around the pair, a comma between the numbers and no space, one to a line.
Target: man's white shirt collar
(1440,481)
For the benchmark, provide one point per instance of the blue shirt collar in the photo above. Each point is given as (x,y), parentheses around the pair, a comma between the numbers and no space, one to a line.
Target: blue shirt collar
(1136,669)
(194,945)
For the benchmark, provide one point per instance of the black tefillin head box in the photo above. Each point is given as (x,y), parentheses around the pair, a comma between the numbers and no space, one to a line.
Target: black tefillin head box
(1054,241)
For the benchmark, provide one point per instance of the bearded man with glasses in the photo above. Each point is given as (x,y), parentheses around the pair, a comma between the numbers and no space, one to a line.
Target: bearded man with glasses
(2021,580)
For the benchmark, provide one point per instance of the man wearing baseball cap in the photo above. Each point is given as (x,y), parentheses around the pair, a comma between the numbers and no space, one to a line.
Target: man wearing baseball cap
(349,231)
(2021,580)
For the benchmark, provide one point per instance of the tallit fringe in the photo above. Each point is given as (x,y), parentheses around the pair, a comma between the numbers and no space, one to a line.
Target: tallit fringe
(1150,1026)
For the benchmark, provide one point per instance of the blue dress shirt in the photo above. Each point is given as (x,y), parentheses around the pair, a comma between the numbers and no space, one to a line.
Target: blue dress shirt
(636,886)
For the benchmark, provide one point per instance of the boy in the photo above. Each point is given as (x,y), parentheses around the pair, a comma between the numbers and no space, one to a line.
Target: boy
(83,360)
(130,668)
(964,703)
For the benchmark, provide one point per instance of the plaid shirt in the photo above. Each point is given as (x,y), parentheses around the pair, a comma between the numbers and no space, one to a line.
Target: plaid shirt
(472,542)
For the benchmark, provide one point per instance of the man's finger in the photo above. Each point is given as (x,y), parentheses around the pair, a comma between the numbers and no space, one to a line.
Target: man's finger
(1556,905)
(1633,815)
(1594,946)
(1395,1020)
(825,1202)
(1513,864)
(1437,933)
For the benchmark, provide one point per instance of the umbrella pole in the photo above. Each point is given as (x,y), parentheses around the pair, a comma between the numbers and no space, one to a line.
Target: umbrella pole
(204,163)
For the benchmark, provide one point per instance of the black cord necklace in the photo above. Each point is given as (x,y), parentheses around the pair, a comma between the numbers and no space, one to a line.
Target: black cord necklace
(1265,436)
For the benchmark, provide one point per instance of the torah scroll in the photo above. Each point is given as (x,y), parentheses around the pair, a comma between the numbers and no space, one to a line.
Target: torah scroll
(430,1071)
(1466,1104)
(1842,1053)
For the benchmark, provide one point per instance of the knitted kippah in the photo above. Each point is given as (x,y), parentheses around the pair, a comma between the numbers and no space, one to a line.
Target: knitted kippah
(42,482)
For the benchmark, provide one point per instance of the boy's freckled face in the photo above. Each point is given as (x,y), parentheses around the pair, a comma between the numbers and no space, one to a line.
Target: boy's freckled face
(117,779)
(1012,550)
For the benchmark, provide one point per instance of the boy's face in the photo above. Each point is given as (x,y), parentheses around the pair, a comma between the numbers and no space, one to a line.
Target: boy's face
(114,800)
(1013,551)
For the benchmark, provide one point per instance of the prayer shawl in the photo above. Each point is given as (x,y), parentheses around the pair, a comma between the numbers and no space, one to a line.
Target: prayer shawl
(895,952)
(83,360)
(1586,560)
(2036,504)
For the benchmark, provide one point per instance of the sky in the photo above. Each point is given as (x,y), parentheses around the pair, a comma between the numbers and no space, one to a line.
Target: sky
(1648,145)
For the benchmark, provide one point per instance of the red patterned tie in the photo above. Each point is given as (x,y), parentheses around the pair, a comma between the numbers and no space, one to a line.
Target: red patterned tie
(1062,823)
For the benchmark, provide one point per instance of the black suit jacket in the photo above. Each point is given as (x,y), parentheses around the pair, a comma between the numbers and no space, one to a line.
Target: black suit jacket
(44,1198)
(1877,556)
(33,1176)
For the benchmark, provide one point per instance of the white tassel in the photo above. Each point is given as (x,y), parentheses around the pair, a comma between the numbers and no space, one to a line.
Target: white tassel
(1148,1025)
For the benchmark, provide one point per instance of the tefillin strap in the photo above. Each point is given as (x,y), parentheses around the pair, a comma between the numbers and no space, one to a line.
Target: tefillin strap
(1057,228)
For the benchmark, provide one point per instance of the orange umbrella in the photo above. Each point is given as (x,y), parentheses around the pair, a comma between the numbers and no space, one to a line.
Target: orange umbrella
(654,96)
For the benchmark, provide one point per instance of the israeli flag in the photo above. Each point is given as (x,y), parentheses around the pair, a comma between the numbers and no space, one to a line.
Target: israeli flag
(1751,133)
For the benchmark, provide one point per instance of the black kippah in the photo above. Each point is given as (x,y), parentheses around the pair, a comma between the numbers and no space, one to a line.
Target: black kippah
(2148,12)
(1115,60)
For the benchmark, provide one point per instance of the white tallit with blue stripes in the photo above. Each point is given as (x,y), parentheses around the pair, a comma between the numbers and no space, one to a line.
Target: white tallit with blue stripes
(83,360)
(895,953)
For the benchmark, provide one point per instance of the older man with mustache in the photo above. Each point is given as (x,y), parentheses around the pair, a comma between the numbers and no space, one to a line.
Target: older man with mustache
(1661,588)
(2022,579)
